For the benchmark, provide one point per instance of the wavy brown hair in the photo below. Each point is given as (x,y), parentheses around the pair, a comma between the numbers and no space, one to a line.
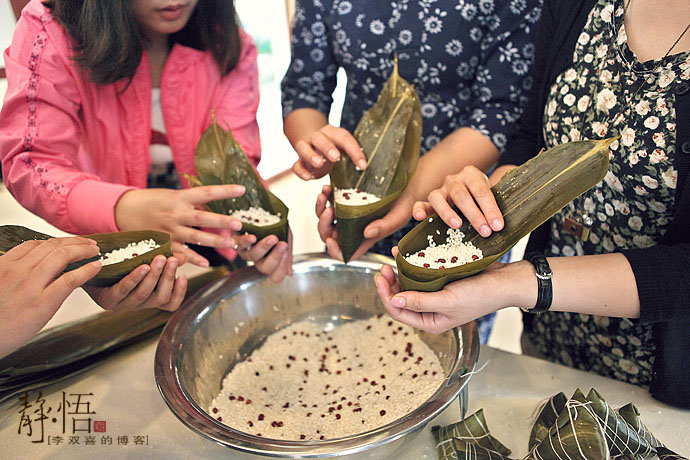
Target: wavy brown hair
(109,44)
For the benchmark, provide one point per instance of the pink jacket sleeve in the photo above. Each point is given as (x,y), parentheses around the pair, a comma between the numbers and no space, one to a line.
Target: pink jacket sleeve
(40,134)
(238,100)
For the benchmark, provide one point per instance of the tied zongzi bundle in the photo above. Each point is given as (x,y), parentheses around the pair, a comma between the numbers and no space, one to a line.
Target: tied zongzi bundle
(219,159)
(390,136)
(579,428)
(469,435)
(527,196)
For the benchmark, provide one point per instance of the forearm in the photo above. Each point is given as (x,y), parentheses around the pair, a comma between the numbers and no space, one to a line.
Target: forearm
(300,124)
(463,147)
(597,285)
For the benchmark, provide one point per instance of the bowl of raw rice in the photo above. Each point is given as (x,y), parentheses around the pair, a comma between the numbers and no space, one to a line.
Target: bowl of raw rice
(312,367)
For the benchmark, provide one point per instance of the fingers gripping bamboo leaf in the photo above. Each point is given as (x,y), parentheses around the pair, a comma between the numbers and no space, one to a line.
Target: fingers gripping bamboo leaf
(219,159)
(527,196)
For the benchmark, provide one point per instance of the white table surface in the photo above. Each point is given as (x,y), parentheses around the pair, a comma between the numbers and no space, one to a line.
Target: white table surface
(123,393)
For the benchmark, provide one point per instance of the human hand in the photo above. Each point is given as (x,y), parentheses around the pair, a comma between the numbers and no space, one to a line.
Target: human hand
(398,216)
(181,213)
(470,191)
(323,148)
(33,287)
(147,286)
(270,256)
(457,303)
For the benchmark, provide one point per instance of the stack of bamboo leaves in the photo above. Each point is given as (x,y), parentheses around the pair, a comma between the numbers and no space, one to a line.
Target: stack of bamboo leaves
(579,428)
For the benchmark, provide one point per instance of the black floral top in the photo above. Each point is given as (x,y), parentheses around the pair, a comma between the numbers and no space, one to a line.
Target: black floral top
(607,92)
(469,61)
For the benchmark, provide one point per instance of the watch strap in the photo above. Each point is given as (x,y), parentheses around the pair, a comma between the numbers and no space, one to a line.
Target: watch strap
(544,284)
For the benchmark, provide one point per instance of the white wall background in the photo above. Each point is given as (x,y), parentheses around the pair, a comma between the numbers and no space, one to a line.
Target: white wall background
(6,27)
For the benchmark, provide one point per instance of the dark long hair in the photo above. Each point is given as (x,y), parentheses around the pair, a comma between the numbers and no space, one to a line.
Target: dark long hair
(109,44)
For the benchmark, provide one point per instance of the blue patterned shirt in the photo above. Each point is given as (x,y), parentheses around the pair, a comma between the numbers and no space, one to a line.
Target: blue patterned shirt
(468,59)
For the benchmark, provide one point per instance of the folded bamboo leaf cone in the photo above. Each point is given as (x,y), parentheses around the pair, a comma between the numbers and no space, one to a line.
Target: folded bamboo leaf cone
(528,196)
(219,159)
(13,235)
(390,135)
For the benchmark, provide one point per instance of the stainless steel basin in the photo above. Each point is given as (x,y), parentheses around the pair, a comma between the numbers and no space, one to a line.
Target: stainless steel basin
(226,321)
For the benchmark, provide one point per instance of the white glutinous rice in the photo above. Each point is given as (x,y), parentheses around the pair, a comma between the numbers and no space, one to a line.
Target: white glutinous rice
(453,253)
(305,383)
(128,252)
(354,197)
(256,216)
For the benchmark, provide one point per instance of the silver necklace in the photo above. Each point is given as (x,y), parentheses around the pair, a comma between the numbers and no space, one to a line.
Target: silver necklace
(630,96)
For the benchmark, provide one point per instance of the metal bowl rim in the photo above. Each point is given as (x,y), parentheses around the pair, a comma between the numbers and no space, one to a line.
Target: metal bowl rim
(194,311)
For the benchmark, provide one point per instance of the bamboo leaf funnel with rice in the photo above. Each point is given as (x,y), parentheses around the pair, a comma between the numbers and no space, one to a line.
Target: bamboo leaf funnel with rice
(111,273)
(390,136)
(219,159)
(528,196)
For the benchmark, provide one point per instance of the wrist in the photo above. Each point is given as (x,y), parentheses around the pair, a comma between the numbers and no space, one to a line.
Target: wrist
(123,212)
(517,285)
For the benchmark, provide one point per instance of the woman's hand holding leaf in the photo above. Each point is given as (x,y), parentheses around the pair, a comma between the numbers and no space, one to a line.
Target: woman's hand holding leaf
(182,214)
(323,148)
(270,256)
(470,191)
(456,304)
(148,286)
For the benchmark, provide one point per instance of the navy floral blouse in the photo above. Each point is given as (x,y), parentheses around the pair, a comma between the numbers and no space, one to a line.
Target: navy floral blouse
(468,59)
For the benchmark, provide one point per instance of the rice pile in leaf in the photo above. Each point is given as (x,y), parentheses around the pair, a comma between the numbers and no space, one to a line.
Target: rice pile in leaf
(219,159)
(527,195)
(390,136)
(13,235)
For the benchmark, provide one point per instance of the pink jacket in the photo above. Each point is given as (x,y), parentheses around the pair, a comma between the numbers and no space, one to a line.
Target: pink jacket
(71,148)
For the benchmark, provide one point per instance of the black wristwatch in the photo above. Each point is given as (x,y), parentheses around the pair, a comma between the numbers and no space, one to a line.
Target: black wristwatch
(544,285)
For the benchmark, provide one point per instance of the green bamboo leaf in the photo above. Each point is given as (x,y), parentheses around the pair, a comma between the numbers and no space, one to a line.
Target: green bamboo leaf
(12,235)
(219,159)
(548,414)
(390,136)
(527,195)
